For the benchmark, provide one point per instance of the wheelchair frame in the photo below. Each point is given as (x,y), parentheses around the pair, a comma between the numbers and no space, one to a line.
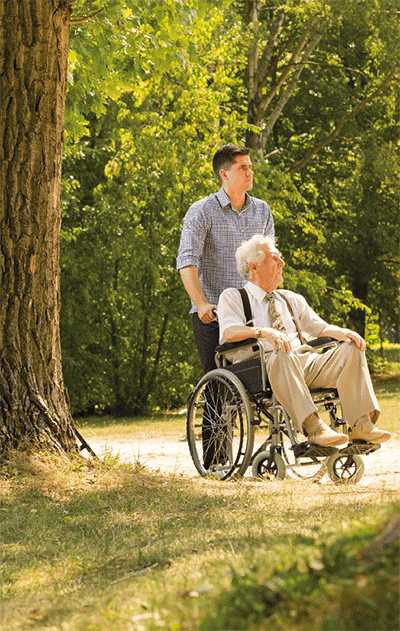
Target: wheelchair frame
(233,403)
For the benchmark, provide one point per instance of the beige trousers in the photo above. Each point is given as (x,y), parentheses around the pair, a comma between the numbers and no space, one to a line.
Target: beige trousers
(344,367)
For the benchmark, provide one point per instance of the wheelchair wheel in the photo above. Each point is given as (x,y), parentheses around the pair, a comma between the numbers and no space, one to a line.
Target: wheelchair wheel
(219,425)
(263,468)
(345,468)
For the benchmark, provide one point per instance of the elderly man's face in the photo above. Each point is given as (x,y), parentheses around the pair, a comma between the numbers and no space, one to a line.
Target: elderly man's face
(269,273)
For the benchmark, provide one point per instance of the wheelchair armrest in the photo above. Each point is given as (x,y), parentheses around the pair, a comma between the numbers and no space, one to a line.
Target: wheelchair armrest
(322,342)
(230,346)
(318,342)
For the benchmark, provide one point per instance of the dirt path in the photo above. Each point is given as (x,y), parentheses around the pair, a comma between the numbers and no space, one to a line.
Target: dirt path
(382,467)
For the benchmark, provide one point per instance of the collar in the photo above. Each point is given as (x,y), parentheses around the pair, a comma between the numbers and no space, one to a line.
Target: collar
(225,201)
(256,291)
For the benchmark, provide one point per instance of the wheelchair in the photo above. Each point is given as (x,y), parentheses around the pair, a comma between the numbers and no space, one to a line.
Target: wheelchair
(233,408)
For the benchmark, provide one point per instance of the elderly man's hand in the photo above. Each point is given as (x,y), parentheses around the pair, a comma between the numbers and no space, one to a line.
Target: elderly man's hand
(278,339)
(344,335)
(349,336)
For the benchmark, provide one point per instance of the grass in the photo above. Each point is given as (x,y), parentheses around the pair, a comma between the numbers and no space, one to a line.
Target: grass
(97,547)
(106,546)
(166,425)
(172,424)
(389,364)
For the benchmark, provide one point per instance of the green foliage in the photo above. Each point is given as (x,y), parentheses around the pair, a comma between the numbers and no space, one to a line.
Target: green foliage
(121,46)
(130,335)
(350,186)
(330,589)
(154,88)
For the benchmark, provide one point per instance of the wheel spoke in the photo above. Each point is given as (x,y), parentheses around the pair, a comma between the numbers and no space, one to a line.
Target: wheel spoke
(220,407)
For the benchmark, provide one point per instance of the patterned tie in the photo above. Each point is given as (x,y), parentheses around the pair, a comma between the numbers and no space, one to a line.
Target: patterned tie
(274,315)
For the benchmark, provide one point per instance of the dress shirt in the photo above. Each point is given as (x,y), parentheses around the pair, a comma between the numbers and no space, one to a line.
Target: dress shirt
(230,313)
(212,231)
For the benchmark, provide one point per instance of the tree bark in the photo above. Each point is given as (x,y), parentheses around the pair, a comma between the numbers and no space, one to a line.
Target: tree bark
(258,68)
(34,38)
(389,536)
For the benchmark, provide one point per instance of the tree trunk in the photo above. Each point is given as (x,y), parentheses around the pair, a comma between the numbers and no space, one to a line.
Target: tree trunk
(359,288)
(262,69)
(34,48)
(389,536)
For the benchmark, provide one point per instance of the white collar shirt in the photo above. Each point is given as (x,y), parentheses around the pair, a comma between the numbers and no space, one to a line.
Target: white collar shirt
(230,313)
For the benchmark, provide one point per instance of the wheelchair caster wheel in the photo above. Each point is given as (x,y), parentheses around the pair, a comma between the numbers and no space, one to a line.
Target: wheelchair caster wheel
(345,468)
(262,469)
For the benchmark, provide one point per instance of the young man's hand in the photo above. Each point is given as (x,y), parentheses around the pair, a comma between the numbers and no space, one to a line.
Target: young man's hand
(205,312)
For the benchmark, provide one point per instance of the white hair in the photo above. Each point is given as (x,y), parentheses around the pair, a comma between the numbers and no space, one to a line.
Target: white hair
(251,252)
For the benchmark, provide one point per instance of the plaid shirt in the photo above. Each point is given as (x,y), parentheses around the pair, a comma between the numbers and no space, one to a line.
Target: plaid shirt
(212,231)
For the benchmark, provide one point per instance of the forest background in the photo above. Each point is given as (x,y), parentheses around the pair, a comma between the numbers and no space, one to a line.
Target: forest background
(154,88)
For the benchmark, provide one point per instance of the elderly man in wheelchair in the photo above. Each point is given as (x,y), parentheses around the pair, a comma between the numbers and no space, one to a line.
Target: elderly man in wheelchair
(272,372)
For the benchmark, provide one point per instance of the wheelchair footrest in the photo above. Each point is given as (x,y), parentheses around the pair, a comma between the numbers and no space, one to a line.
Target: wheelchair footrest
(360,447)
(304,449)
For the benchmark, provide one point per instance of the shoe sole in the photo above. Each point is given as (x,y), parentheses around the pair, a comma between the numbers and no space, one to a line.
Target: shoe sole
(377,440)
(334,442)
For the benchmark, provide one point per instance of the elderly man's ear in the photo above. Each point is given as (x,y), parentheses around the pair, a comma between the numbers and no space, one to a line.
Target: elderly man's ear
(252,267)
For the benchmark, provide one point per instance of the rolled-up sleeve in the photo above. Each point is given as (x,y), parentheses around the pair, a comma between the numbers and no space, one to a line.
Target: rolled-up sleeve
(194,232)
(230,310)
(310,321)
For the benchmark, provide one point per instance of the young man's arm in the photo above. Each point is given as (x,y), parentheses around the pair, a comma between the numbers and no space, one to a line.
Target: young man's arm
(190,279)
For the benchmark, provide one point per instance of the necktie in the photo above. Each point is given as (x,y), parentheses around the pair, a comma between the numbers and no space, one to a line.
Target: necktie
(274,315)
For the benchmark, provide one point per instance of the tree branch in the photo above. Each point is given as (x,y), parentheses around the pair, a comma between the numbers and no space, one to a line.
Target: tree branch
(252,21)
(275,30)
(289,91)
(151,380)
(266,100)
(344,120)
(87,18)
(257,68)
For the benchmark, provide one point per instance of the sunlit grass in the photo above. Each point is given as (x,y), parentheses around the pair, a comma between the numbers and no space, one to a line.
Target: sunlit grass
(106,546)
(388,395)
(165,425)
(385,360)
(100,546)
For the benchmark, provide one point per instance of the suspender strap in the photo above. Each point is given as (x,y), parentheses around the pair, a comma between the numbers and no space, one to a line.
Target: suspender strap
(293,318)
(249,316)
(246,307)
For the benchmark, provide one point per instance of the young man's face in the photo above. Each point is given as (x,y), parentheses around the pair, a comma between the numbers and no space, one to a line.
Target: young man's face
(269,273)
(240,176)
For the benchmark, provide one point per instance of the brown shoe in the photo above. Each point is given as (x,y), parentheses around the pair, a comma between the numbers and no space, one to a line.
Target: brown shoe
(319,433)
(366,430)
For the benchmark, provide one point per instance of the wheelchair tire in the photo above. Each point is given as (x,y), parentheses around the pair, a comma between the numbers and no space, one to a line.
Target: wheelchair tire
(261,469)
(345,468)
(220,433)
